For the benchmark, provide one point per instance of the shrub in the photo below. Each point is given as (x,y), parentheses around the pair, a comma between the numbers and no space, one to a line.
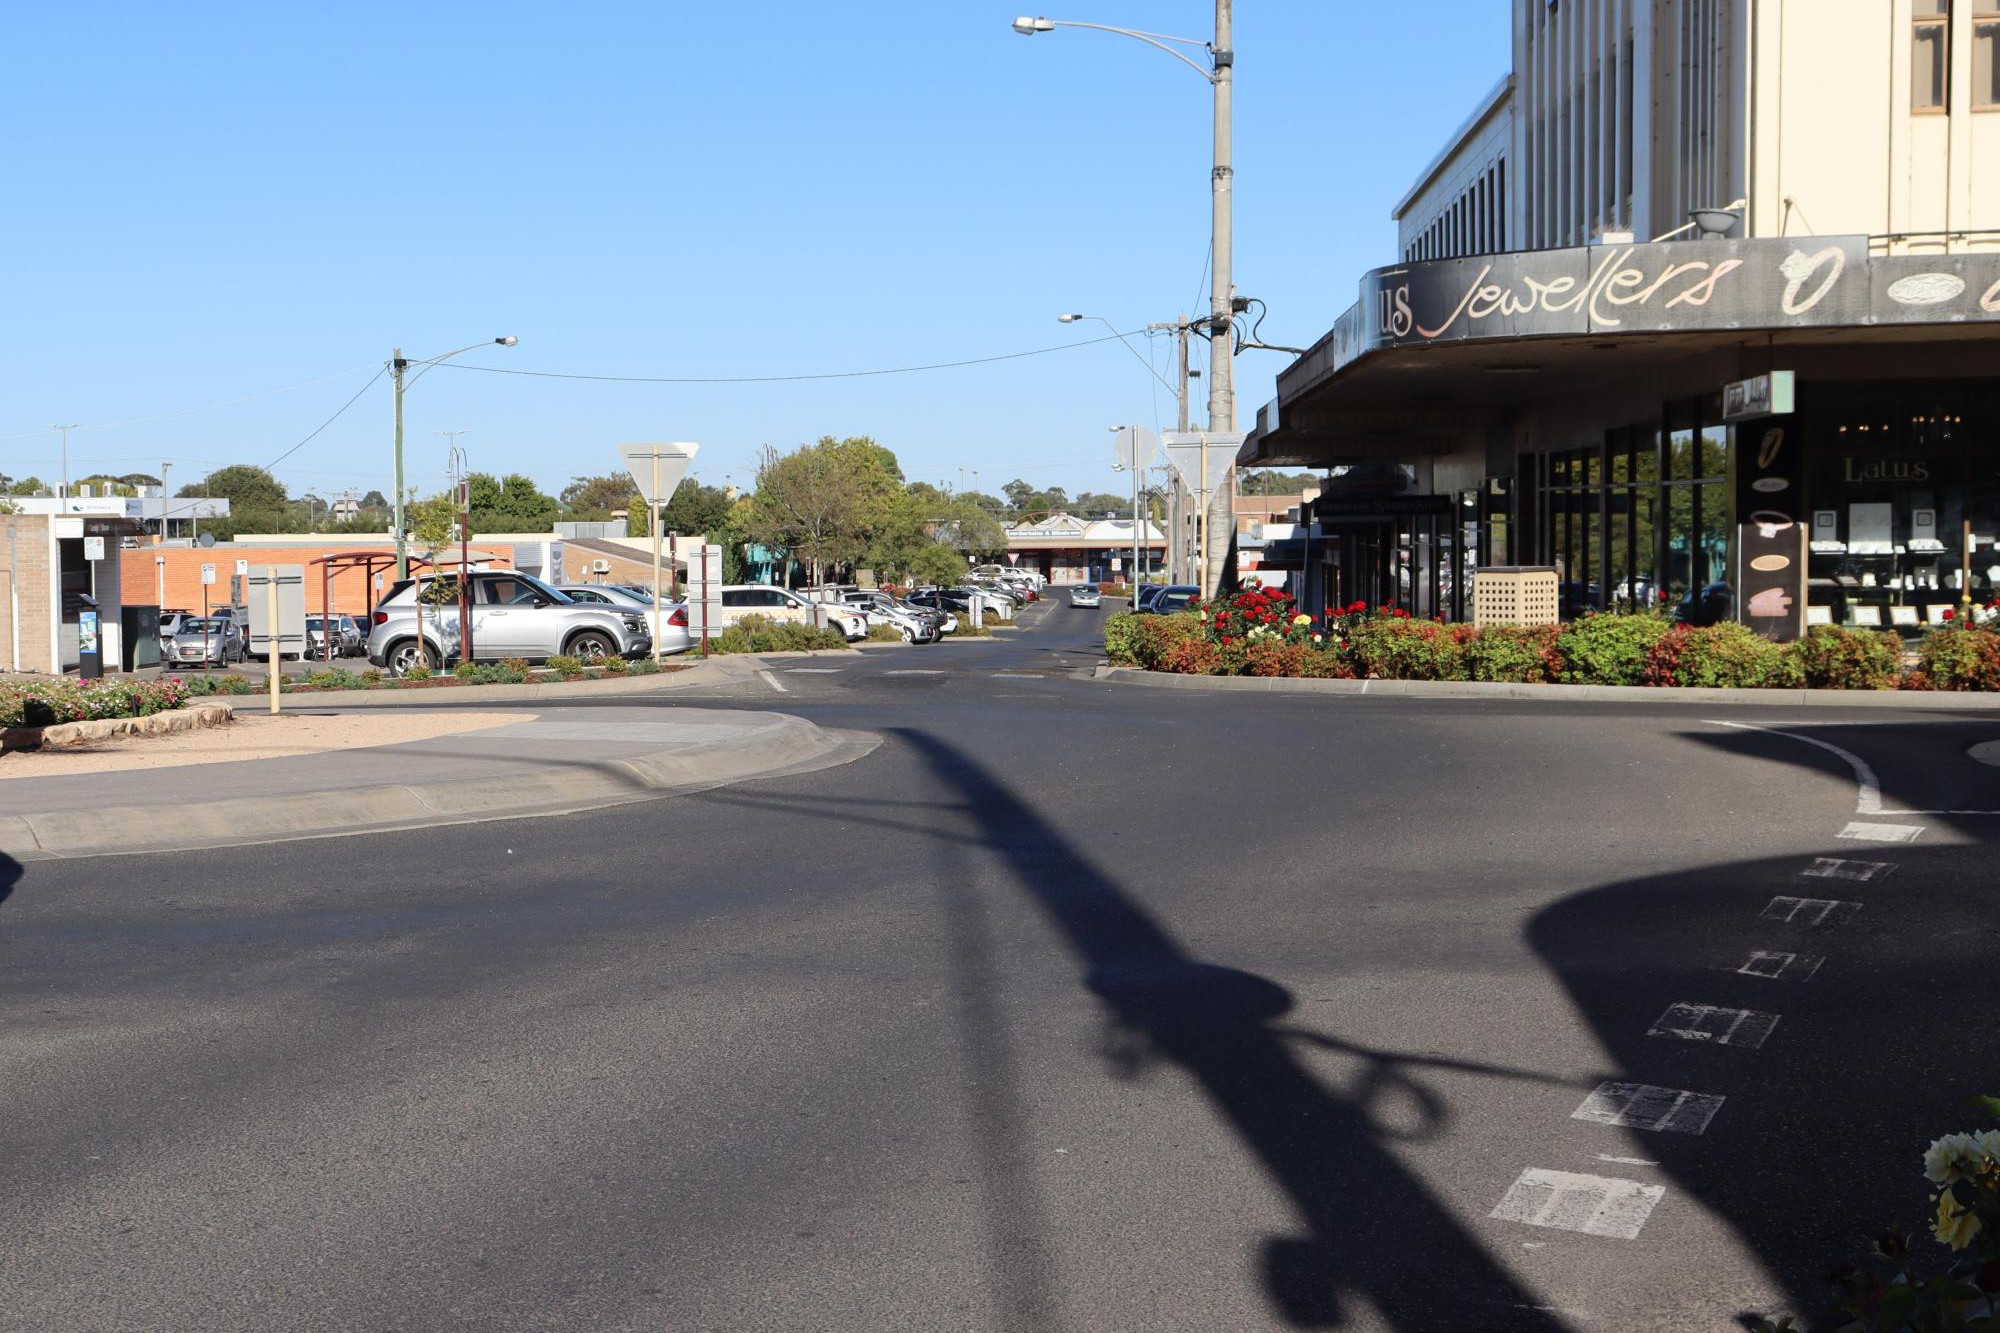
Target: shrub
(1305,661)
(1832,657)
(645,666)
(1725,656)
(336,678)
(884,634)
(1953,658)
(39,704)
(1120,631)
(1608,649)
(417,672)
(515,664)
(761,634)
(1155,638)
(1393,648)
(372,677)
(569,668)
(1518,654)
(615,666)
(467,671)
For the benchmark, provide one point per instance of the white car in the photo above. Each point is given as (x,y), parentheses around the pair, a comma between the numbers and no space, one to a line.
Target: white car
(774,603)
(674,636)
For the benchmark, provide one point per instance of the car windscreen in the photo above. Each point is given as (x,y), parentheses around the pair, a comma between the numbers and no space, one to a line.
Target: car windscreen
(202,627)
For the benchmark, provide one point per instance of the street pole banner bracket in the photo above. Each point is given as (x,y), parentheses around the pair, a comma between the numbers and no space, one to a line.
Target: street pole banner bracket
(657,469)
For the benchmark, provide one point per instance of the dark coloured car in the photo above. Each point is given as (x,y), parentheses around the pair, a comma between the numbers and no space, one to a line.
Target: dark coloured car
(1170,598)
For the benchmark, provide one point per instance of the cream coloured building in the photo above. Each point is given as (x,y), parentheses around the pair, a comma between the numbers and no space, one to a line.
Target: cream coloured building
(1812,117)
(1700,304)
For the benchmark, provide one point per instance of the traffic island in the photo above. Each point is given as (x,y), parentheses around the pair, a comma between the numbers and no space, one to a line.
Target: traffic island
(537,763)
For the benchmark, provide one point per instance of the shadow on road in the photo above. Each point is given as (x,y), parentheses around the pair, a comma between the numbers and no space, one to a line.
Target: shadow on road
(1883,1030)
(10,875)
(1370,1229)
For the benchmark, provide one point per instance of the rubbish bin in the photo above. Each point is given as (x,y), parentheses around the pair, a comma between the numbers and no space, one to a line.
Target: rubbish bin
(139,645)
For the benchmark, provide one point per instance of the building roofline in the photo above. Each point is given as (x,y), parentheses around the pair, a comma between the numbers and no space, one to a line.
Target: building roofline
(1500,92)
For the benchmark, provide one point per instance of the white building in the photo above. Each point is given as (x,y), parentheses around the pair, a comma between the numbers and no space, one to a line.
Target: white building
(1664,208)
(1877,118)
(1066,549)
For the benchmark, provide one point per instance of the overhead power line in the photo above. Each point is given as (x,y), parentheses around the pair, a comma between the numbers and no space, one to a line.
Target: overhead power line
(774,379)
(329,421)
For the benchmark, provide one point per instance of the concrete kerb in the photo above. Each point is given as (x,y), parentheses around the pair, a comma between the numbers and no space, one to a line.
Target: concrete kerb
(1902,700)
(700,673)
(780,744)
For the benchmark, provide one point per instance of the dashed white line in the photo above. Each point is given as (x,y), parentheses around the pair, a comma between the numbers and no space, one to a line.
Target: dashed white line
(814,671)
(1626,1161)
(1772,965)
(1834,867)
(1594,1205)
(1715,1025)
(1810,911)
(774,682)
(1643,1106)
(1858,832)
(1014,675)
(915,671)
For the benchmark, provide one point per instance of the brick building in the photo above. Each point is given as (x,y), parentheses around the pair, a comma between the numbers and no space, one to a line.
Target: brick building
(172,575)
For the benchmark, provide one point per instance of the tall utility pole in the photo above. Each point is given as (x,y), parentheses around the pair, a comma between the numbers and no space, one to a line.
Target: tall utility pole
(1179,546)
(396,367)
(1222,294)
(63,492)
(166,494)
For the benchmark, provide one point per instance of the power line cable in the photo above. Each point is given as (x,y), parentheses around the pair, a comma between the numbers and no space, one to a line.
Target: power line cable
(190,411)
(775,379)
(329,421)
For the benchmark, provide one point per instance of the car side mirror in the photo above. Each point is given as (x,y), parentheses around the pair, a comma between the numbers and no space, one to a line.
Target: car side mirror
(539,600)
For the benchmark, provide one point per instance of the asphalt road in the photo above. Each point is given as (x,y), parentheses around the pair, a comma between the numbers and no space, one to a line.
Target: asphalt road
(1074,1006)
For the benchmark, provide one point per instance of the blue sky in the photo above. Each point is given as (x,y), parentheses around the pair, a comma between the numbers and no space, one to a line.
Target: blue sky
(242,208)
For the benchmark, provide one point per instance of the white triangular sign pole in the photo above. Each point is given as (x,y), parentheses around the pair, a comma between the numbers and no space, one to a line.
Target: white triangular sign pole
(1203,458)
(657,470)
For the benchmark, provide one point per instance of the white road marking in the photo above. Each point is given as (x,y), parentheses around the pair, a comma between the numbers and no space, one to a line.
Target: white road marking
(1715,1025)
(1834,867)
(1014,675)
(1643,1106)
(1869,800)
(1810,911)
(1775,966)
(1882,832)
(1594,1205)
(915,671)
(774,682)
(1626,1161)
(814,671)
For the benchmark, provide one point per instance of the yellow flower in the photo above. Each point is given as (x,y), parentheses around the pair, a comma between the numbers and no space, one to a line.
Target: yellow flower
(1954,1226)
(1302,619)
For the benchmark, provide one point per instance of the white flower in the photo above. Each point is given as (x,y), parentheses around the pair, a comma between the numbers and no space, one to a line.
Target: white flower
(1946,1160)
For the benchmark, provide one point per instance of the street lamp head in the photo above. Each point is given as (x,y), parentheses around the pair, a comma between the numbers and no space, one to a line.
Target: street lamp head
(1071,319)
(507,341)
(1028,27)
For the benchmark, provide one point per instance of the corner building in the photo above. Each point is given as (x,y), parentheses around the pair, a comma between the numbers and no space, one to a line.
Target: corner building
(1702,302)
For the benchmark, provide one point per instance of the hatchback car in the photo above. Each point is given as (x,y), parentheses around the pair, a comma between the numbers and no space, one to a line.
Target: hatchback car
(1085,594)
(674,636)
(199,642)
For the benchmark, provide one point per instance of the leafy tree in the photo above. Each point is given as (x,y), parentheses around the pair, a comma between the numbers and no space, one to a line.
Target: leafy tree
(1025,499)
(1266,481)
(25,486)
(815,502)
(1094,503)
(362,522)
(695,509)
(374,500)
(977,532)
(513,504)
(243,485)
(595,499)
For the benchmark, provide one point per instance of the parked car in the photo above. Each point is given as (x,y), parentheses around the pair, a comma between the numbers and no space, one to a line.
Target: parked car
(947,602)
(947,623)
(763,599)
(674,636)
(170,621)
(199,642)
(1170,598)
(318,630)
(1085,594)
(352,635)
(513,615)
(916,624)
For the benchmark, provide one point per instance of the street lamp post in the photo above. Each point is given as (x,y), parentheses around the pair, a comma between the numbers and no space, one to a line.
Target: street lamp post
(397,365)
(461,486)
(1222,295)
(62,492)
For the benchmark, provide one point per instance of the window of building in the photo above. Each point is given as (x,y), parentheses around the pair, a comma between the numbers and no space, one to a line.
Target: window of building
(1986,60)
(1930,56)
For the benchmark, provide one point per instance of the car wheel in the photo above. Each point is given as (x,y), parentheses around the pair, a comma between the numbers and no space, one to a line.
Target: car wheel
(410,653)
(591,647)
(908,635)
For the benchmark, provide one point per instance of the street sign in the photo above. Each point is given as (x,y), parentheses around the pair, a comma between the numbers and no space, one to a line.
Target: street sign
(291,627)
(93,548)
(1185,453)
(242,568)
(704,590)
(657,469)
(1135,447)
(208,576)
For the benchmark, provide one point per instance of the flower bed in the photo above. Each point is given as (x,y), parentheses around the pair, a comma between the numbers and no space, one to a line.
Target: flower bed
(1260,632)
(42,704)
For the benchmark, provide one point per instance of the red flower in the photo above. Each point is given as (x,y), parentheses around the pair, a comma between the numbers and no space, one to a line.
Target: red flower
(1950,614)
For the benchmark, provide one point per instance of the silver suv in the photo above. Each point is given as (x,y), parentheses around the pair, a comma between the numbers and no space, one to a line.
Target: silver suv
(513,615)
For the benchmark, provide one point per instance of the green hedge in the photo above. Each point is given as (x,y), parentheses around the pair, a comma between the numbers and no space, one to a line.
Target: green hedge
(1607,649)
(761,634)
(41,704)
